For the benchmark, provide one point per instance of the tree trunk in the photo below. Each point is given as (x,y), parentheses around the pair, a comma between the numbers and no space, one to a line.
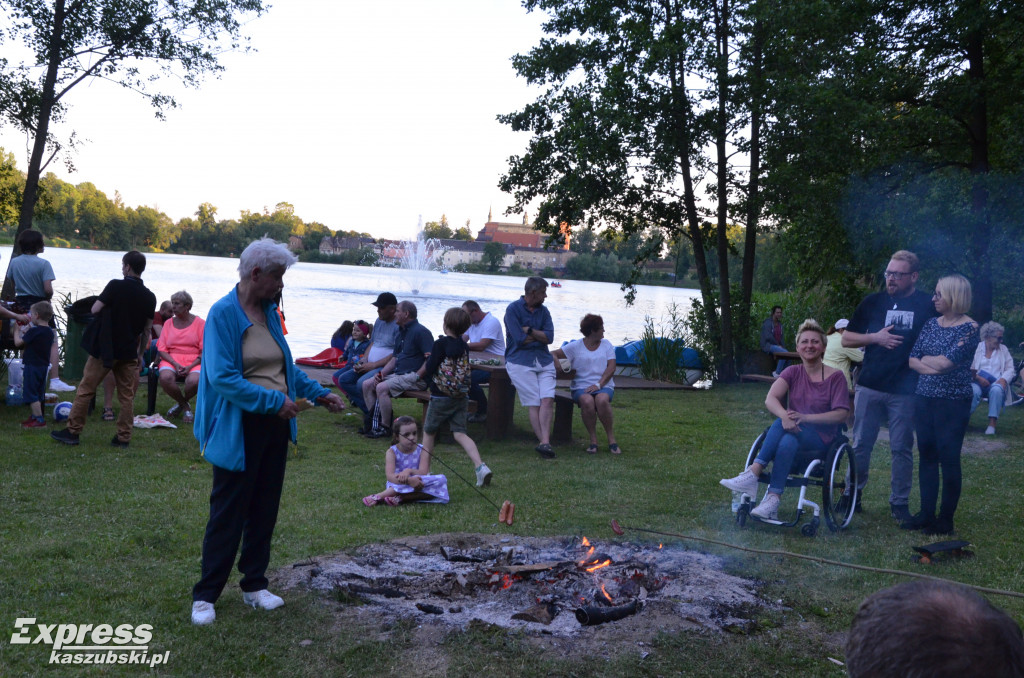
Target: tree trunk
(42,127)
(978,138)
(753,185)
(727,364)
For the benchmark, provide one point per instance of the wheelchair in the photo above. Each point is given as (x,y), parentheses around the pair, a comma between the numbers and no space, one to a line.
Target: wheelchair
(835,472)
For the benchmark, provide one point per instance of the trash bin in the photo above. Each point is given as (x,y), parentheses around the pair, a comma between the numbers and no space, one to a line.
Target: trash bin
(79,315)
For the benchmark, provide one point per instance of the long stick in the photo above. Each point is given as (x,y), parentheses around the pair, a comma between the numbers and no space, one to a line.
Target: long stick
(618,529)
(475,488)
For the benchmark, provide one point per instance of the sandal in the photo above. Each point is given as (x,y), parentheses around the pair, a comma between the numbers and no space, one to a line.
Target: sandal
(592,449)
(188,417)
(392,501)
(108,414)
(614,448)
(371,500)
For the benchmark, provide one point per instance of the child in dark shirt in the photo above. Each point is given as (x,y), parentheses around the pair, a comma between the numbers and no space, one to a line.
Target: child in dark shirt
(449,386)
(35,340)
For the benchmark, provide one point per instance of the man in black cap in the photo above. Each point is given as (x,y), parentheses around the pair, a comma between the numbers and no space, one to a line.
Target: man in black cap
(382,346)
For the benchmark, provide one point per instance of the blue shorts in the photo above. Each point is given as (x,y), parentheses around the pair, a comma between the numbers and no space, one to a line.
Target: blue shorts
(33,384)
(581,391)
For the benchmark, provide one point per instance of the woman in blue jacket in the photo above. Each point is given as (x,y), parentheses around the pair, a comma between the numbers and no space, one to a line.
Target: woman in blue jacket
(245,416)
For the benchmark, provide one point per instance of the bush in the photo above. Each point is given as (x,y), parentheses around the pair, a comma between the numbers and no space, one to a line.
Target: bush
(661,349)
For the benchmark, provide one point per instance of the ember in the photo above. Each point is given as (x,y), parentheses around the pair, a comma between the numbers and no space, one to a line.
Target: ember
(528,582)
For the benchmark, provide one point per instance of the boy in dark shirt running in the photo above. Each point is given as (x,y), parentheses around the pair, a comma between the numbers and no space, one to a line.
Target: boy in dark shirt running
(35,340)
(449,388)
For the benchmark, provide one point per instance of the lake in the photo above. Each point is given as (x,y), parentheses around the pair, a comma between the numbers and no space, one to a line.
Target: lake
(318,297)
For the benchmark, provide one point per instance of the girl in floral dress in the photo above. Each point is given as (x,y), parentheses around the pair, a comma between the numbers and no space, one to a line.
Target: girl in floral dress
(407,469)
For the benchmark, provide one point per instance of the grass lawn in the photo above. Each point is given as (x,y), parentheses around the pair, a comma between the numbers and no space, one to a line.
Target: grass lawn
(98,535)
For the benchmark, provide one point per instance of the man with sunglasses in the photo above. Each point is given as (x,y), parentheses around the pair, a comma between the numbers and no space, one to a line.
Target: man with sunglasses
(886,324)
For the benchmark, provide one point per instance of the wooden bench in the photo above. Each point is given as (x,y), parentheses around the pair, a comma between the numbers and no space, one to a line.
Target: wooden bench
(562,430)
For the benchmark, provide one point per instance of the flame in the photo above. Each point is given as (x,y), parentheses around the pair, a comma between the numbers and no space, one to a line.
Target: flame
(604,563)
(659,547)
(586,542)
(605,592)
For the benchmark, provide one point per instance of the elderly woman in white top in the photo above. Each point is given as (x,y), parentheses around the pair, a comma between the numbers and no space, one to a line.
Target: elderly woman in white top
(993,371)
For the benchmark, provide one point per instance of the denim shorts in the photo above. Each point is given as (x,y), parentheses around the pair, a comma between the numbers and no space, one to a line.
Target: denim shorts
(580,391)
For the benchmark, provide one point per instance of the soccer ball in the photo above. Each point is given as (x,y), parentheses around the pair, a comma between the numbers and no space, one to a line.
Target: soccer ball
(61,411)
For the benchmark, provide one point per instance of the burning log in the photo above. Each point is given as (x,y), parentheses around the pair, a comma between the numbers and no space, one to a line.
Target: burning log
(591,615)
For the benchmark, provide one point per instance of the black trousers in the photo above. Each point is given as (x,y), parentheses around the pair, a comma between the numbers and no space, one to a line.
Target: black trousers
(243,508)
(941,424)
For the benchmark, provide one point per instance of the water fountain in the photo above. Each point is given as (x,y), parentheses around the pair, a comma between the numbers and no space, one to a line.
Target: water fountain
(420,257)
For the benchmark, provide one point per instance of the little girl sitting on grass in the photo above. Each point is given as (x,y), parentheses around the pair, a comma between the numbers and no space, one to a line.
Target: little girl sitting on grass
(407,469)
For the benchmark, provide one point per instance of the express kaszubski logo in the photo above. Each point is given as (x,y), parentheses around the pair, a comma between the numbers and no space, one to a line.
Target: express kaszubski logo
(90,643)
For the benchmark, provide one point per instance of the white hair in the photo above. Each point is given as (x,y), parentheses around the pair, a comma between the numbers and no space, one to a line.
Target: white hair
(265,254)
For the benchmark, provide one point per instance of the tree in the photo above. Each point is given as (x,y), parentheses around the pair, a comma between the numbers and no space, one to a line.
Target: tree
(637,94)
(10,190)
(127,42)
(493,256)
(464,233)
(437,229)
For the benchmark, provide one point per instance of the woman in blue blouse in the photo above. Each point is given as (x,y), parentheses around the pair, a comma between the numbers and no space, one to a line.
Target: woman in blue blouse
(942,356)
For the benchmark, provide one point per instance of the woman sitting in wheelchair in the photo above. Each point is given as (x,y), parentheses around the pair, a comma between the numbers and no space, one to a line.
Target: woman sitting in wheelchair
(819,401)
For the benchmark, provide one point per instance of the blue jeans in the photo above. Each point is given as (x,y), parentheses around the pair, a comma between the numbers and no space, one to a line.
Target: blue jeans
(996,399)
(476,393)
(784,448)
(775,348)
(352,384)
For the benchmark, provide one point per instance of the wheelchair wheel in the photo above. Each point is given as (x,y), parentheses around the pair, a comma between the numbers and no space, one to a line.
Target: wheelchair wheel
(1017,386)
(840,475)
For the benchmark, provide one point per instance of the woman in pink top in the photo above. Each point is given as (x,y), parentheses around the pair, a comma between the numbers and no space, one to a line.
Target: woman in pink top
(181,348)
(818,403)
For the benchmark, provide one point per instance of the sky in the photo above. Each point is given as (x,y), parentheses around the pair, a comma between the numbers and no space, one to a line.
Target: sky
(363,115)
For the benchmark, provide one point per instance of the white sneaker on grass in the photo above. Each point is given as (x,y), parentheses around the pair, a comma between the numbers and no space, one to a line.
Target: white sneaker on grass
(768,509)
(262,600)
(745,482)
(483,475)
(990,431)
(58,385)
(203,613)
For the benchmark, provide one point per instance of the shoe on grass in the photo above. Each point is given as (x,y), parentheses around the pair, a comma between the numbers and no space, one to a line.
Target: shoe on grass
(32,422)
(477,418)
(483,475)
(768,509)
(745,482)
(174,411)
(203,613)
(65,436)
(117,442)
(58,385)
(900,513)
(262,600)
(990,431)
(545,451)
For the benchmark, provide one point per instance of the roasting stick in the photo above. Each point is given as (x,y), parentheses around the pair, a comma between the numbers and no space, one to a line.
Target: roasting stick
(506,511)
(621,529)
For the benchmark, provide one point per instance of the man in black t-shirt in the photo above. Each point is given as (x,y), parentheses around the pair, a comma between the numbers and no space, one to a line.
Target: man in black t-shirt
(115,341)
(887,324)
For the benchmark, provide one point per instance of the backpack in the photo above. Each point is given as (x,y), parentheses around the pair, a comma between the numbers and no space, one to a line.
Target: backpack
(452,376)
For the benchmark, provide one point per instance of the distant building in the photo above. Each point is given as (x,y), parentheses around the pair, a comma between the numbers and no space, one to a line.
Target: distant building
(295,243)
(332,245)
(518,235)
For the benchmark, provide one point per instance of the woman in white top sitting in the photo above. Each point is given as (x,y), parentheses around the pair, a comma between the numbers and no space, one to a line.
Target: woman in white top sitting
(993,371)
(593,358)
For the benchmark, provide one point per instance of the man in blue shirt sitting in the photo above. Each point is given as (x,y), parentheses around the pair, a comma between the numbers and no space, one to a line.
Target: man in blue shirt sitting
(399,374)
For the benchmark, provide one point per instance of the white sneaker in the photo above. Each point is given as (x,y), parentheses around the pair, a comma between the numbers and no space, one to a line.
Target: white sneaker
(768,509)
(262,600)
(483,475)
(58,385)
(203,613)
(745,482)
(990,431)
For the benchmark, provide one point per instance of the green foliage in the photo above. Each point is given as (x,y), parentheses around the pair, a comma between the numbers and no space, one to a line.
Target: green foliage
(493,256)
(661,347)
(438,229)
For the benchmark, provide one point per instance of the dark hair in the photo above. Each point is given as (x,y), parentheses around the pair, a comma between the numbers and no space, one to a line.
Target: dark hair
(776,307)
(470,306)
(30,242)
(457,320)
(591,323)
(932,628)
(136,261)
(345,330)
(396,427)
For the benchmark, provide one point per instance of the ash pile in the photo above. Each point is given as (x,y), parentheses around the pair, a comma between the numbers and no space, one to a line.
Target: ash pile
(557,586)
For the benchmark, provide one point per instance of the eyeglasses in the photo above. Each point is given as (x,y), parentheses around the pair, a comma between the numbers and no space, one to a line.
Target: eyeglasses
(999,339)
(895,275)
(937,295)
(411,435)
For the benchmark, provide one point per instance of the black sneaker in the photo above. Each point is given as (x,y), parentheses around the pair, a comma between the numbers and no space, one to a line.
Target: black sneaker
(117,442)
(918,521)
(65,436)
(379,433)
(545,451)
(940,526)
(900,513)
